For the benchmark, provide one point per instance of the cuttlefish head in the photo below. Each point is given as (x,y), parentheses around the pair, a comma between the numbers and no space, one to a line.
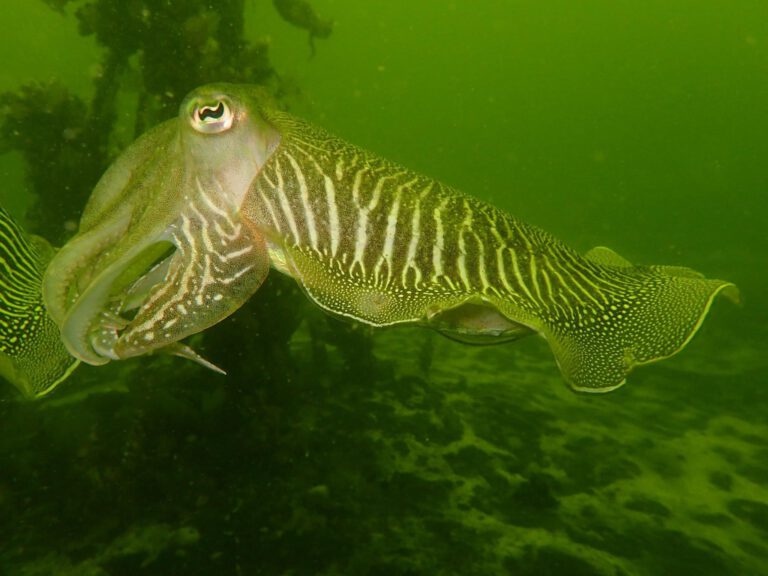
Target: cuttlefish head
(163,250)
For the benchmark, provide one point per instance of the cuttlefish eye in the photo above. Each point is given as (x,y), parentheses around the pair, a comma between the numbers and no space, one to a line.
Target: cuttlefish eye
(211,117)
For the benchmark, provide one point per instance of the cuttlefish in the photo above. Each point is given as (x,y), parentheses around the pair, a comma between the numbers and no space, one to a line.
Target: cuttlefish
(185,225)
(32,355)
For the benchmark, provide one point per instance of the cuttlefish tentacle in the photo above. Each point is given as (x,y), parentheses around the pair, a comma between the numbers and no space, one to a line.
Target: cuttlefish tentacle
(76,265)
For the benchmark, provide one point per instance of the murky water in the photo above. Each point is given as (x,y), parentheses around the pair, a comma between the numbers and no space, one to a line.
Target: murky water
(329,449)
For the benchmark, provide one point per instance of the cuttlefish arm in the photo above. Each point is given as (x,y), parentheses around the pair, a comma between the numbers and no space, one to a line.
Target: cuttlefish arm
(163,250)
(218,264)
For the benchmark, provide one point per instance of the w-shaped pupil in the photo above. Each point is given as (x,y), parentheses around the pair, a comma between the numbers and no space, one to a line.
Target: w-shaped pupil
(210,112)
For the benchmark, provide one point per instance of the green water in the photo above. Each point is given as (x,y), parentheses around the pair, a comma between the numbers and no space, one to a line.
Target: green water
(329,450)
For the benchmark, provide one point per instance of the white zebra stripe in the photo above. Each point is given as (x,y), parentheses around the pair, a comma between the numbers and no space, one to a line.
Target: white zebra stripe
(391,232)
(413,244)
(285,204)
(518,275)
(534,275)
(437,249)
(271,210)
(461,260)
(333,223)
(334,227)
(361,235)
(304,192)
(212,206)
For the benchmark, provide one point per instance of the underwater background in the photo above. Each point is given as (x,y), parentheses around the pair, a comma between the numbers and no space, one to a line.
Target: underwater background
(330,449)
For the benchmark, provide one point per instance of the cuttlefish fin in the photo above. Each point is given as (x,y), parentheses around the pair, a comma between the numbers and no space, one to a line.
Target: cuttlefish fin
(607,257)
(660,311)
(32,355)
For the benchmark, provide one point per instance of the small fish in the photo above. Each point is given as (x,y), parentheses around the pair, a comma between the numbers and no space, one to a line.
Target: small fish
(32,355)
(301,14)
(186,224)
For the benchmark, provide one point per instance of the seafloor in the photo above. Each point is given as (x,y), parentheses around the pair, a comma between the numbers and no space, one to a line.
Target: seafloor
(426,458)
